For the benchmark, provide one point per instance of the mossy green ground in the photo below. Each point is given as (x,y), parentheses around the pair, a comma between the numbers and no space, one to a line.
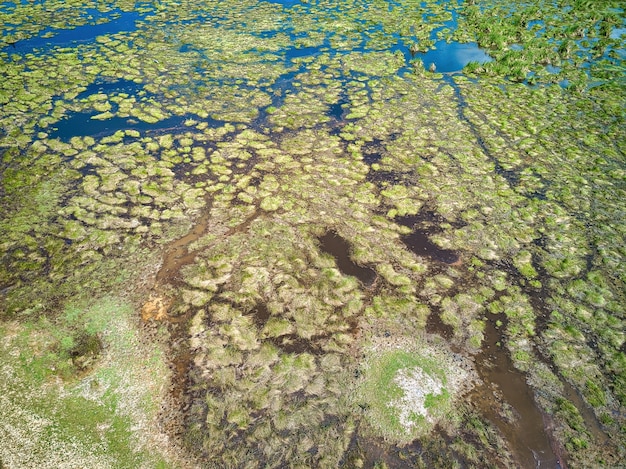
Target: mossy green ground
(274,125)
(67,405)
(407,389)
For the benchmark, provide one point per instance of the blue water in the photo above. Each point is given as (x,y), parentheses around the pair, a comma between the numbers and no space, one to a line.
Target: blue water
(447,57)
(81,124)
(111,87)
(336,111)
(295,52)
(80,34)
(287,3)
(453,56)
(617,33)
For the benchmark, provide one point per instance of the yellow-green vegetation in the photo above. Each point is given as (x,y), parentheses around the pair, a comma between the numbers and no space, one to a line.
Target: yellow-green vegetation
(199,153)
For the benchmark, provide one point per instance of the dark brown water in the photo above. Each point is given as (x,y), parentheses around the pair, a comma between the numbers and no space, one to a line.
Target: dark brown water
(434,325)
(260,314)
(420,244)
(419,240)
(178,254)
(524,430)
(333,244)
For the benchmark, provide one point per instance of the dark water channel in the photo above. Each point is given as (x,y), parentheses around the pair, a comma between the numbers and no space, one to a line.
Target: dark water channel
(506,400)
(178,254)
(333,244)
(523,426)
(419,241)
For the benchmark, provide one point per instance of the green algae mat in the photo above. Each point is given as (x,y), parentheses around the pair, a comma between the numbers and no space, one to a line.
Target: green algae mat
(267,234)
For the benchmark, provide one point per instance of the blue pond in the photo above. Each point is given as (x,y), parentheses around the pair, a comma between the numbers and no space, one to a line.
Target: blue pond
(295,52)
(287,3)
(110,87)
(81,124)
(453,56)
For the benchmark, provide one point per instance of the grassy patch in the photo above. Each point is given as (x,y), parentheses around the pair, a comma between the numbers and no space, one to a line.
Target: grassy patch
(57,412)
(403,394)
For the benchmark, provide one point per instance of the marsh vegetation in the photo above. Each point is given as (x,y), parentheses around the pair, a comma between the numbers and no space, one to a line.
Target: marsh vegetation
(312,234)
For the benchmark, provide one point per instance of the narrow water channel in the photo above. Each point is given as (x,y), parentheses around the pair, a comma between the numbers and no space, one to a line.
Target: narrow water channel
(524,430)
(178,253)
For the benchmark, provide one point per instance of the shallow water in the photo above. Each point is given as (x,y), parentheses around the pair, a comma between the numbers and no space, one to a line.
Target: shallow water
(419,240)
(178,253)
(81,124)
(420,244)
(339,248)
(525,431)
(450,57)
(118,21)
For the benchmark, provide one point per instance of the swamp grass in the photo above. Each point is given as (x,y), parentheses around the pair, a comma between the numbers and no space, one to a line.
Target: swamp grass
(230,138)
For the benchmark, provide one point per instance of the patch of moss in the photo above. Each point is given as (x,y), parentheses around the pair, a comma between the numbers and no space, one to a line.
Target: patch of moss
(403,394)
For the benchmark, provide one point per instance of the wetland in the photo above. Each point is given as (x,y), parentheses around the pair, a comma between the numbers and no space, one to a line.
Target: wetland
(307,233)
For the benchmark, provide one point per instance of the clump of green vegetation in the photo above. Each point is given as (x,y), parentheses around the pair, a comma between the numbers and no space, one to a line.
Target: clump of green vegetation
(543,44)
(71,348)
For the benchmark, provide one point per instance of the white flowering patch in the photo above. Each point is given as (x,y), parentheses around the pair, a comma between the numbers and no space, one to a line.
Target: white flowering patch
(409,386)
(416,385)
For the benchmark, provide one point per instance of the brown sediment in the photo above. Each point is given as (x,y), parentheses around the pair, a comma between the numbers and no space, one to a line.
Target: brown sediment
(506,399)
(181,363)
(292,343)
(173,414)
(592,424)
(157,308)
(177,255)
(557,448)
(508,402)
